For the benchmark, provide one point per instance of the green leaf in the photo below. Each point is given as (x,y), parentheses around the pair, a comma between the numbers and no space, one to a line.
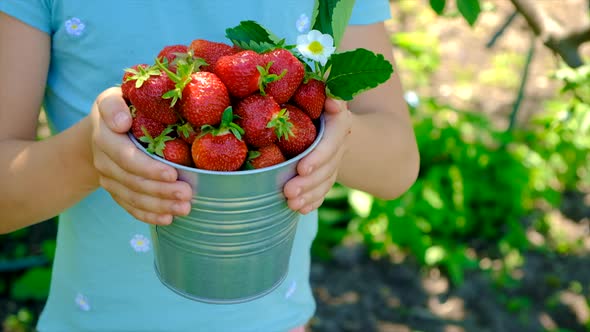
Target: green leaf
(331,17)
(33,285)
(315,13)
(470,9)
(340,19)
(252,36)
(438,6)
(346,81)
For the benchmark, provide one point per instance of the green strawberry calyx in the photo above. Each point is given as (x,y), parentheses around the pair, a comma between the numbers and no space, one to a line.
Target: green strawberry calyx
(157,144)
(140,74)
(281,124)
(252,154)
(185,129)
(226,126)
(266,77)
(185,67)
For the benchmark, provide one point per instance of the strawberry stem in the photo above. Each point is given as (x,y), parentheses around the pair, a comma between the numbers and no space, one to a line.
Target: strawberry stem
(156,145)
(181,78)
(266,77)
(280,122)
(141,74)
(227,125)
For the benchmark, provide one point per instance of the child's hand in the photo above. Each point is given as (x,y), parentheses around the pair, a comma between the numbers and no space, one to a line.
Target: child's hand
(146,188)
(317,172)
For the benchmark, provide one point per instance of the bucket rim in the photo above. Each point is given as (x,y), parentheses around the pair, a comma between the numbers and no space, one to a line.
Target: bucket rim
(295,159)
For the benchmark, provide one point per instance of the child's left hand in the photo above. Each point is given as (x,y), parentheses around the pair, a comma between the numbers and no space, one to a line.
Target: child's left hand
(317,172)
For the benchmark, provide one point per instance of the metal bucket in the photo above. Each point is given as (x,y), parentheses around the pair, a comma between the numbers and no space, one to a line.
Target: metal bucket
(235,244)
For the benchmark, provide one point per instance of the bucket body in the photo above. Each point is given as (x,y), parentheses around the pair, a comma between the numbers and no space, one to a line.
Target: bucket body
(235,244)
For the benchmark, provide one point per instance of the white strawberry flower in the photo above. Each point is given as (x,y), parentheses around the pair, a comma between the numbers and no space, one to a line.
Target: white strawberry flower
(316,46)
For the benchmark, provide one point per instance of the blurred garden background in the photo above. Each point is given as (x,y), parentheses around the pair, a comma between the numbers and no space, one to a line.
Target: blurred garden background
(494,235)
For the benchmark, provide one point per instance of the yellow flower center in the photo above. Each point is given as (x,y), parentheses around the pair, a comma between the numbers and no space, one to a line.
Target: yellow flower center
(316,47)
(75,26)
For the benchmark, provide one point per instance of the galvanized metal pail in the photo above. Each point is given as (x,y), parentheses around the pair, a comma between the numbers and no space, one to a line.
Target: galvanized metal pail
(235,244)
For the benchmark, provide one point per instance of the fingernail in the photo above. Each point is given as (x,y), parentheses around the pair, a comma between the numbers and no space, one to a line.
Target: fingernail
(308,170)
(121,120)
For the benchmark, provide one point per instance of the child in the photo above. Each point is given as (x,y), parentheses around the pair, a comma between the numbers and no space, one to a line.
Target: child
(62,54)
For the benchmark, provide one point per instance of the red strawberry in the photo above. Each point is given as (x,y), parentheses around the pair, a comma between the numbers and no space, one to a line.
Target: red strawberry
(171,52)
(291,70)
(172,149)
(203,100)
(220,149)
(141,122)
(265,157)
(303,133)
(262,119)
(146,96)
(240,73)
(187,132)
(310,97)
(210,51)
(135,76)
(178,151)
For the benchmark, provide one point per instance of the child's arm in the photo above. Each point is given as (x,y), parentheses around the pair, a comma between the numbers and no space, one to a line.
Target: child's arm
(39,179)
(372,147)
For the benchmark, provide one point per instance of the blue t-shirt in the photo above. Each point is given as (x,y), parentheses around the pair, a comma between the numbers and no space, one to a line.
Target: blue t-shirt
(103,276)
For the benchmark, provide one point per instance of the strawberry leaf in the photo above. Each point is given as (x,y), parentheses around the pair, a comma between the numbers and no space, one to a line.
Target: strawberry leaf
(340,18)
(331,17)
(346,81)
(250,35)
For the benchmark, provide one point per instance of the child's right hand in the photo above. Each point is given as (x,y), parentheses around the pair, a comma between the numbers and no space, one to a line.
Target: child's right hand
(146,188)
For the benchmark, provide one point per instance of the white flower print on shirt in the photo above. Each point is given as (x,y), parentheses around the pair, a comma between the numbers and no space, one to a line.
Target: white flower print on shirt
(303,24)
(140,243)
(82,302)
(74,26)
(291,289)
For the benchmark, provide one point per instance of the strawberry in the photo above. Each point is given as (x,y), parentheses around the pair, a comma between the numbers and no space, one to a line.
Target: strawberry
(172,149)
(239,72)
(303,133)
(146,94)
(220,149)
(187,132)
(204,99)
(178,151)
(210,51)
(203,96)
(135,76)
(171,52)
(265,157)
(283,63)
(244,73)
(141,122)
(262,119)
(310,97)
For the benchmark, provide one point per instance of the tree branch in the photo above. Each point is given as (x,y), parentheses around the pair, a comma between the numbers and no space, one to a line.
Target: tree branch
(564,42)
